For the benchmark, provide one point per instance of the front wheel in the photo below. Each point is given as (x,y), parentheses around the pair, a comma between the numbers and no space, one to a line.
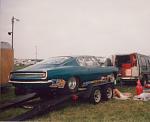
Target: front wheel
(73,84)
(95,96)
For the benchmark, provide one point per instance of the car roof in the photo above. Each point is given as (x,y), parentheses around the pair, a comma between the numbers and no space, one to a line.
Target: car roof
(75,56)
(82,56)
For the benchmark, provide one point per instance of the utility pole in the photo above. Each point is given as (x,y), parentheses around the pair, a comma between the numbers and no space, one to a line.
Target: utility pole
(12,31)
(36,53)
(12,21)
(12,36)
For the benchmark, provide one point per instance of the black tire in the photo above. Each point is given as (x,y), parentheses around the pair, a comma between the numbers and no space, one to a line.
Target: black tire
(72,84)
(20,91)
(107,92)
(95,96)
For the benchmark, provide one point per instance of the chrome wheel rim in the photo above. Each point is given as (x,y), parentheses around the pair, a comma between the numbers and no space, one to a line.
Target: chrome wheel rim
(97,95)
(109,93)
(72,83)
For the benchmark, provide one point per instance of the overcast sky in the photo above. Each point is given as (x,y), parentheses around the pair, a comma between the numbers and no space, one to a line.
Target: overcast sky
(76,27)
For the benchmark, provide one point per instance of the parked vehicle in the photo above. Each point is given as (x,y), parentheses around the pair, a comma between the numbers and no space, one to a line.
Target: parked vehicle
(64,72)
(133,66)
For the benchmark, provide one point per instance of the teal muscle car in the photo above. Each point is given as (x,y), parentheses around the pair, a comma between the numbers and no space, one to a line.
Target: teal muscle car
(64,72)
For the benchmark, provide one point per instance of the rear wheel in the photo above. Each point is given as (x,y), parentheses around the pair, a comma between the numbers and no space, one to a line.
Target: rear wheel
(95,96)
(109,92)
(73,84)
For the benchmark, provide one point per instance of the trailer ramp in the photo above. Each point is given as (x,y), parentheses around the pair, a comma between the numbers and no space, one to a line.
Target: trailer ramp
(43,107)
(18,101)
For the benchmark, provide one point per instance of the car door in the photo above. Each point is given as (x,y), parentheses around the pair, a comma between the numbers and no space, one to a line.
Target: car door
(83,72)
(93,68)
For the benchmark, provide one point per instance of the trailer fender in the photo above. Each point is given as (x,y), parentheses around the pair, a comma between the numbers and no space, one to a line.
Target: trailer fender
(88,91)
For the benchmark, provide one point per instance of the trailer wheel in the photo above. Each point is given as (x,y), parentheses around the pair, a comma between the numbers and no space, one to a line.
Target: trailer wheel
(95,96)
(73,84)
(109,92)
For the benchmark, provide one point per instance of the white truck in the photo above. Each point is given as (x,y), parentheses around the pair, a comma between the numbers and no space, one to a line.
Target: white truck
(132,66)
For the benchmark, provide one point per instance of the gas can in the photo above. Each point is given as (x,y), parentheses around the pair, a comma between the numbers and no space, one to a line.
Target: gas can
(139,88)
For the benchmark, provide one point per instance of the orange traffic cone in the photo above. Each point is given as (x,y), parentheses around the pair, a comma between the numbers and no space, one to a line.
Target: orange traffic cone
(139,88)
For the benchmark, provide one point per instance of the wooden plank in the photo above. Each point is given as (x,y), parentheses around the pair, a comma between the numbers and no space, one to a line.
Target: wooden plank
(6,65)
(17,101)
(43,107)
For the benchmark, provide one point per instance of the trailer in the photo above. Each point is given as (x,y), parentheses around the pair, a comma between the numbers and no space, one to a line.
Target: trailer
(93,93)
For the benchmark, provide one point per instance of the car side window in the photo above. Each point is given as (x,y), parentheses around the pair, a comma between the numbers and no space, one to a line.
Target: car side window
(91,61)
(81,61)
(88,61)
(95,61)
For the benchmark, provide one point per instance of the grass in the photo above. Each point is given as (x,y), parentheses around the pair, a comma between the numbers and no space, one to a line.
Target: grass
(107,111)
(7,96)
(10,113)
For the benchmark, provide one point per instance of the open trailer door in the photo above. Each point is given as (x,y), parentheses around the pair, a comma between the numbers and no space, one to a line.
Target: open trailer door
(134,65)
